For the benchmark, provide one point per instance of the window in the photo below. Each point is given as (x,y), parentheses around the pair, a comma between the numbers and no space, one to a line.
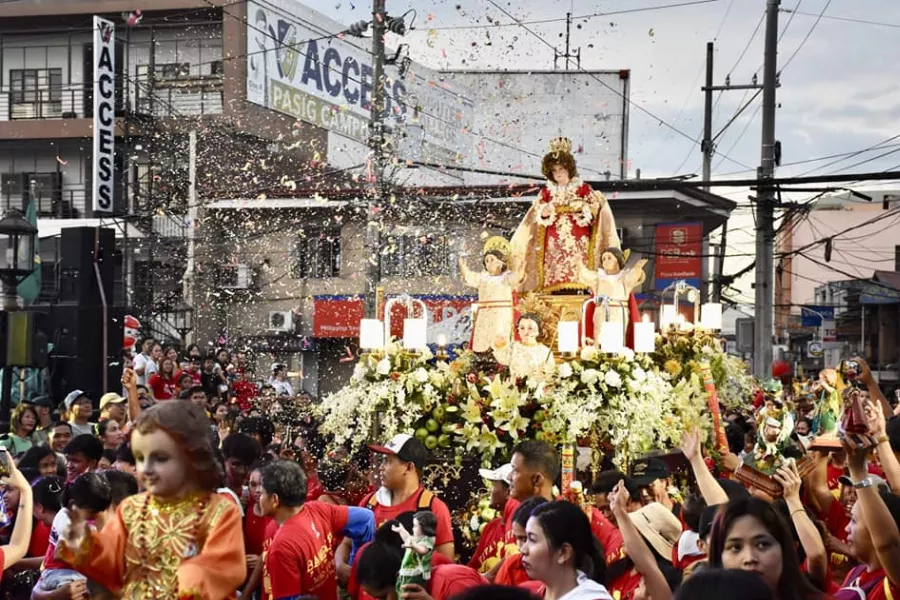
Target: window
(41,87)
(416,255)
(317,255)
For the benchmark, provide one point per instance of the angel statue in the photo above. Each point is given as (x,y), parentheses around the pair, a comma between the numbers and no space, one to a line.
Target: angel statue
(614,280)
(568,224)
(526,357)
(496,289)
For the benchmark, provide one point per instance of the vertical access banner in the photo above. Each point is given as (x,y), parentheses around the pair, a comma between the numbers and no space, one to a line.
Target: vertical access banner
(104,114)
(679,254)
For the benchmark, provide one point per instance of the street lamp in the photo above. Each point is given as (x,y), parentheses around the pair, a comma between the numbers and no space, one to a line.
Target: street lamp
(17,256)
(183,320)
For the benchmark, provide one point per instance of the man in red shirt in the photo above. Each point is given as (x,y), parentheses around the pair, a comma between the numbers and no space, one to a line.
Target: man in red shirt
(402,495)
(492,542)
(300,558)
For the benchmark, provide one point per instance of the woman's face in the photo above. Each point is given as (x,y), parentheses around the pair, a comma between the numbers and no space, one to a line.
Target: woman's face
(519,534)
(493,264)
(750,547)
(538,558)
(48,465)
(560,174)
(221,412)
(168,366)
(859,538)
(113,436)
(28,420)
(172,354)
(528,330)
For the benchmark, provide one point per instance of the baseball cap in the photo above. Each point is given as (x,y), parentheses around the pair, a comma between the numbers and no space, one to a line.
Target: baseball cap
(72,397)
(501,473)
(110,398)
(405,447)
(648,470)
(45,401)
(658,526)
(880,483)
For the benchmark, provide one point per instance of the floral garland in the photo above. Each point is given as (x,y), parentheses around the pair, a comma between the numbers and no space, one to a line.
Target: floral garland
(469,409)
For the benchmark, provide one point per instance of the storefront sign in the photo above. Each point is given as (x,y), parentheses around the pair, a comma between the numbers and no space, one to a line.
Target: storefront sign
(811,316)
(448,316)
(104,114)
(277,344)
(338,316)
(679,254)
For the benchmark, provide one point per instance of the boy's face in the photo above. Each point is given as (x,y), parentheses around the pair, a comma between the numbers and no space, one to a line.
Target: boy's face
(77,464)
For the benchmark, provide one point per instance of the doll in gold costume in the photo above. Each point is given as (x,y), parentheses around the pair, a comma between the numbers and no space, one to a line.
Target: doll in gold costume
(179,539)
(526,357)
(568,224)
(496,297)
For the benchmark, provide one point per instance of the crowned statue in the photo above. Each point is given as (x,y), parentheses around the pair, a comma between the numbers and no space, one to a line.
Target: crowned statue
(496,293)
(615,281)
(569,224)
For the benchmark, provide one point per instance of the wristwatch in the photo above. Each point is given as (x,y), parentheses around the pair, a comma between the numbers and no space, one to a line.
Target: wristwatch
(864,483)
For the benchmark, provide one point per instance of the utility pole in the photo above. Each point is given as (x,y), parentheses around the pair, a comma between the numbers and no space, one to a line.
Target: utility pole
(706,146)
(765,234)
(376,145)
(569,53)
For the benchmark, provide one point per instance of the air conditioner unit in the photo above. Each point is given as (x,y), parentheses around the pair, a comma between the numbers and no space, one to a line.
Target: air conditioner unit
(235,277)
(281,320)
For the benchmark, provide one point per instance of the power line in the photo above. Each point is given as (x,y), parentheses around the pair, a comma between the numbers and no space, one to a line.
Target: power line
(844,155)
(845,19)
(574,18)
(803,41)
(606,85)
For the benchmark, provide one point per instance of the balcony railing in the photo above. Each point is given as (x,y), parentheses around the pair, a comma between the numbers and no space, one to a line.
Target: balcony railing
(65,203)
(170,226)
(192,97)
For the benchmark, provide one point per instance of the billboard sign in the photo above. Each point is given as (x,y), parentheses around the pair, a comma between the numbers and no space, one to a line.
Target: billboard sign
(518,113)
(303,68)
(812,316)
(679,254)
(104,114)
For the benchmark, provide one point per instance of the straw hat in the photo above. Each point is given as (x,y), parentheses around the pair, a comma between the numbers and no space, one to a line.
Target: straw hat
(659,527)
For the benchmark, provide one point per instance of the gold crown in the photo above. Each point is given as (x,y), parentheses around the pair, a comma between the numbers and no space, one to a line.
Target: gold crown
(498,243)
(561,144)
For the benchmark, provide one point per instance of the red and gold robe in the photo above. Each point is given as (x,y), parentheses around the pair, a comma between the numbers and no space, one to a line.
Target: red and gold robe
(188,549)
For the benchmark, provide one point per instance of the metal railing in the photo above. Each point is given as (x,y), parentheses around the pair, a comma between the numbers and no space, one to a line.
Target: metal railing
(170,226)
(65,203)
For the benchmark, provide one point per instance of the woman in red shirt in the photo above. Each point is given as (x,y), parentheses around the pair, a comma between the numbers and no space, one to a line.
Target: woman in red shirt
(164,384)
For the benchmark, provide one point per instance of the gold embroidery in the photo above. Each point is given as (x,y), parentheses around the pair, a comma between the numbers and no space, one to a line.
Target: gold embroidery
(160,537)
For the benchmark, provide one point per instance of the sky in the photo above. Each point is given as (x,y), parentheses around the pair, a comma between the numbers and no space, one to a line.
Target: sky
(837,94)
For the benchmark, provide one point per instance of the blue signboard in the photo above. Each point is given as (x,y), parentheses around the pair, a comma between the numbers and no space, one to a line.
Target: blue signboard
(811,316)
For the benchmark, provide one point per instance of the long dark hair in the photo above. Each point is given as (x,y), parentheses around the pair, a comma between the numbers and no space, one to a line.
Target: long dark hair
(378,563)
(564,523)
(793,584)
(713,584)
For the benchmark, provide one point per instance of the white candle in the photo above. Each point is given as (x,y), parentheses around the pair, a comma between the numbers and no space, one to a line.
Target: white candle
(414,334)
(667,316)
(442,340)
(567,336)
(644,336)
(612,337)
(371,334)
(711,316)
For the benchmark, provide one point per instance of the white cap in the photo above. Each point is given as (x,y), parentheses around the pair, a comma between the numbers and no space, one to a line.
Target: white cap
(72,397)
(502,473)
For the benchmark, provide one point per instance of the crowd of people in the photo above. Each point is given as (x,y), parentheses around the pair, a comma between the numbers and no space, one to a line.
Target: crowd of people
(190,484)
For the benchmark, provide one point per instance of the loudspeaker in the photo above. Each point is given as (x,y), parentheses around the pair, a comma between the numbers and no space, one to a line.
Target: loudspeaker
(78,284)
(78,360)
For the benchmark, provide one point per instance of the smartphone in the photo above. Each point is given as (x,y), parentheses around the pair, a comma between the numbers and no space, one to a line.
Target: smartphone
(4,465)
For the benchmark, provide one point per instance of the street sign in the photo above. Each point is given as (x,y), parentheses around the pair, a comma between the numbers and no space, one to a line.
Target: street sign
(829,331)
(812,316)
(815,349)
(744,330)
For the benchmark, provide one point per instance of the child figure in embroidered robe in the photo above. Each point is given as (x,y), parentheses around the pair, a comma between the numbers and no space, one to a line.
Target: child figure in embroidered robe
(614,280)
(179,539)
(496,300)
(416,566)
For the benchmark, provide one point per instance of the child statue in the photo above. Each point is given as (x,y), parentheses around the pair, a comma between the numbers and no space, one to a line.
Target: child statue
(526,357)
(615,280)
(494,317)
(416,566)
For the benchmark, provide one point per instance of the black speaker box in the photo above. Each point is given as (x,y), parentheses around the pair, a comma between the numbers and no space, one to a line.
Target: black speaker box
(78,282)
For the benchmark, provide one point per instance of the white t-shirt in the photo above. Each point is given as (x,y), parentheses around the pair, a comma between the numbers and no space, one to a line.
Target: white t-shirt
(142,361)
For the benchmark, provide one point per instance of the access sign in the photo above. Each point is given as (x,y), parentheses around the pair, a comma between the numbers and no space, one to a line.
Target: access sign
(104,114)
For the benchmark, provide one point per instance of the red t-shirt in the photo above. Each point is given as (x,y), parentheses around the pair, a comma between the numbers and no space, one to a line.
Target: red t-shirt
(411,505)
(355,590)
(837,520)
(163,389)
(271,529)
(490,547)
(624,587)
(512,572)
(834,474)
(40,539)
(300,559)
(450,580)
(884,590)
(255,528)
(609,536)
(314,488)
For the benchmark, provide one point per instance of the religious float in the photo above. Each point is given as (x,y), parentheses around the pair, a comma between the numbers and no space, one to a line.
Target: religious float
(558,350)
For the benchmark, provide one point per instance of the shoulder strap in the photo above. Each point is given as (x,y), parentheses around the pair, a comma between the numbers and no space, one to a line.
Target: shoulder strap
(887,588)
(372,501)
(426,498)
